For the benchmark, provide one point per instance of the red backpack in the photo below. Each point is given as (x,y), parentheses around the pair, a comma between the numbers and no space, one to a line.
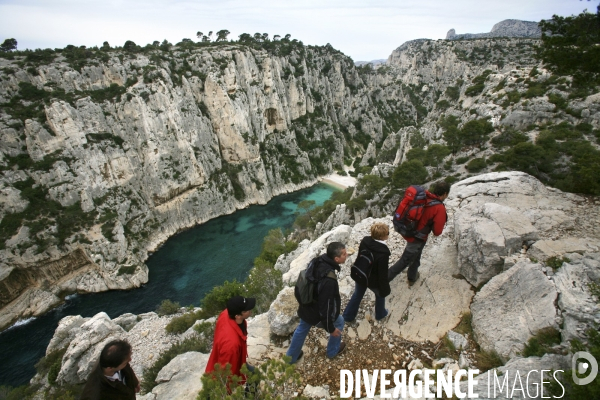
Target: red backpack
(410,210)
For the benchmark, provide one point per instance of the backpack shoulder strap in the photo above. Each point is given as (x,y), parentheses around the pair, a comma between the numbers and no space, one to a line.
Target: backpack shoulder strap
(433,203)
(331,275)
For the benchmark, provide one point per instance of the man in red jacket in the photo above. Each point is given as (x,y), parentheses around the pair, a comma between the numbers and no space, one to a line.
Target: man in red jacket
(433,220)
(231,332)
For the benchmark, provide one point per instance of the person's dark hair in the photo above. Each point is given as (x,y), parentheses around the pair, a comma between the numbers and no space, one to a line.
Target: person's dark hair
(441,188)
(335,249)
(114,353)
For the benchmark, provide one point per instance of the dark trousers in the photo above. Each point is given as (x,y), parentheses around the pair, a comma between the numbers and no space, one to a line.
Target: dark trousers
(411,258)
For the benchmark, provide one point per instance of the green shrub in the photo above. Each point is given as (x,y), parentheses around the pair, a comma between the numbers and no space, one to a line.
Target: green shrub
(168,307)
(453,92)
(46,363)
(442,105)
(184,322)
(475,132)
(127,270)
(556,262)
(451,179)
(509,137)
(559,101)
(541,342)
(215,301)
(512,96)
(476,165)
(461,160)
(273,379)
(417,141)
(108,93)
(572,390)
(474,90)
(409,173)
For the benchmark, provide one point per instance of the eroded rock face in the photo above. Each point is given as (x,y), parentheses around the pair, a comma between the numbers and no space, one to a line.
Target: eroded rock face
(580,309)
(181,378)
(282,315)
(85,347)
(500,215)
(316,248)
(84,338)
(512,307)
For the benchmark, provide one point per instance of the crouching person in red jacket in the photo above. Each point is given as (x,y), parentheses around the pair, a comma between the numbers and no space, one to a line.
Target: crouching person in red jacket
(231,332)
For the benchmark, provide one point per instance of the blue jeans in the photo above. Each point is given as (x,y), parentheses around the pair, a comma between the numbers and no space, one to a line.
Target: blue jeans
(352,307)
(333,346)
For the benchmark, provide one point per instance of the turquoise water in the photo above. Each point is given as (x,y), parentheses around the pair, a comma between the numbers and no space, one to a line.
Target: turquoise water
(184,269)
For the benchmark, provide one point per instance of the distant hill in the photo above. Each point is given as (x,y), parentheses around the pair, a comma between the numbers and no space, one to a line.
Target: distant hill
(374,62)
(506,28)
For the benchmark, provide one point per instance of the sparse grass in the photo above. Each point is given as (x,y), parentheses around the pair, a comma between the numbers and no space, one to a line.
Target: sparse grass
(465,325)
(446,349)
(542,342)
(486,360)
(556,262)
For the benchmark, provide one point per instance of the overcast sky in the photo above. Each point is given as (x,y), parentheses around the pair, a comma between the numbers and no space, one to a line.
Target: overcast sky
(363,29)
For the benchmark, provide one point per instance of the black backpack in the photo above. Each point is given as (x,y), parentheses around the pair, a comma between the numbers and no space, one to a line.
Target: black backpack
(361,269)
(306,284)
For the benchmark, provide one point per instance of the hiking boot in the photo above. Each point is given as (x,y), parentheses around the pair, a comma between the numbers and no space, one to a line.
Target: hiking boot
(299,357)
(342,347)
(387,313)
(410,283)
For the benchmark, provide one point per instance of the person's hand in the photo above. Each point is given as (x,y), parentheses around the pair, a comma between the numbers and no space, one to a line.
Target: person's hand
(137,388)
(336,333)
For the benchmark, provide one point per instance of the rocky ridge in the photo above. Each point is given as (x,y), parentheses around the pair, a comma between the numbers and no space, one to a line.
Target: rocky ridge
(523,295)
(506,28)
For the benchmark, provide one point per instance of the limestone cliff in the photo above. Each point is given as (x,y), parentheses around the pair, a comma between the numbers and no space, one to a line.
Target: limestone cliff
(103,159)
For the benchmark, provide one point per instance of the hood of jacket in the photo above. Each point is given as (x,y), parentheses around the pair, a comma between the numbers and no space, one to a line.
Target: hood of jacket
(324,265)
(375,246)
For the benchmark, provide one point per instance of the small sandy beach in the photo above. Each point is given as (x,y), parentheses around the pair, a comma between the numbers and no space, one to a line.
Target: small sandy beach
(342,182)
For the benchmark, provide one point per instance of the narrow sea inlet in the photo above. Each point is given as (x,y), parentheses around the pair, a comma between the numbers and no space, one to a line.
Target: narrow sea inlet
(184,269)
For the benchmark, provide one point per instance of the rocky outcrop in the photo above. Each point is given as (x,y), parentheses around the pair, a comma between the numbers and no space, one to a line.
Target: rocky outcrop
(512,307)
(506,28)
(282,316)
(575,281)
(180,378)
(82,339)
(523,211)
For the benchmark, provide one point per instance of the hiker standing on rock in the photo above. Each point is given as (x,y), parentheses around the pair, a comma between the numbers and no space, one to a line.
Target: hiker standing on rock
(375,251)
(419,213)
(324,311)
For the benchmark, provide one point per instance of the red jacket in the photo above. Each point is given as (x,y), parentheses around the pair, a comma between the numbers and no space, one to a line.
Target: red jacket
(434,217)
(229,346)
